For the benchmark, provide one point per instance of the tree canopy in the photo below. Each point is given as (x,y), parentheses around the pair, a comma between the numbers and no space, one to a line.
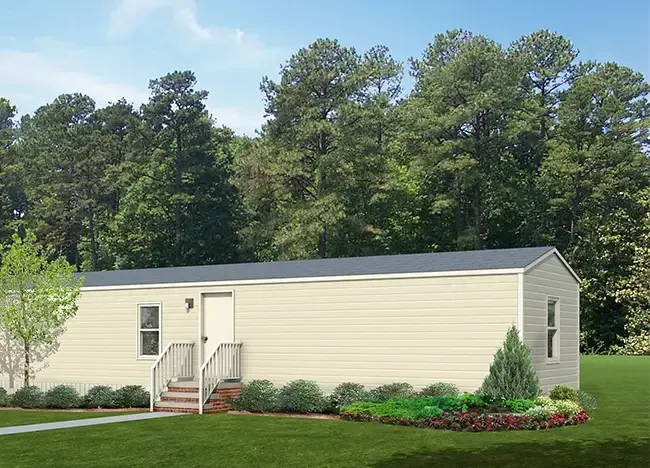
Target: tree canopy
(494,146)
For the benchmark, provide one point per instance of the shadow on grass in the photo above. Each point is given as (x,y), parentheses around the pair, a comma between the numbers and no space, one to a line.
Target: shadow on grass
(610,453)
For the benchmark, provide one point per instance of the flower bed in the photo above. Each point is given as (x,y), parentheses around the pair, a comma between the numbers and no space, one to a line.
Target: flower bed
(508,399)
(477,422)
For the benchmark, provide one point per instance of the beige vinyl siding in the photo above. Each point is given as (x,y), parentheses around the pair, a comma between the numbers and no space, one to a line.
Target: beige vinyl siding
(100,344)
(551,278)
(418,330)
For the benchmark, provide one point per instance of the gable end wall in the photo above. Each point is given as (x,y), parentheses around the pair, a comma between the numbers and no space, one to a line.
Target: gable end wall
(551,278)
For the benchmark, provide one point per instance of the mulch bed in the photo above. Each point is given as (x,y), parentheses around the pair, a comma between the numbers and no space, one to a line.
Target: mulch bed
(289,415)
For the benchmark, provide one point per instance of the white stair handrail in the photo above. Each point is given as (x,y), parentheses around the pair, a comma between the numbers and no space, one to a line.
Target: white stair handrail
(176,361)
(224,362)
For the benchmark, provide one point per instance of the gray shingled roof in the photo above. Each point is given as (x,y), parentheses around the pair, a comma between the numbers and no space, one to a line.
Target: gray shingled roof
(388,264)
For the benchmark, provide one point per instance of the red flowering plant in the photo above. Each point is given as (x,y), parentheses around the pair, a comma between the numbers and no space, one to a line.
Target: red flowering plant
(478,422)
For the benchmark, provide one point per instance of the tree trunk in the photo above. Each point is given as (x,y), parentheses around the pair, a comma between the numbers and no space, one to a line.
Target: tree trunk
(322,243)
(477,220)
(27,364)
(458,214)
(94,256)
(177,208)
(11,370)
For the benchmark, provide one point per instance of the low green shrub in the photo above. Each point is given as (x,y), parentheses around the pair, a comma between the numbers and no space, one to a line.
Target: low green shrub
(28,397)
(4,397)
(415,408)
(256,396)
(302,396)
(100,396)
(539,413)
(518,405)
(569,407)
(587,400)
(62,397)
(132,396)
(390,391)
(390,409)
(440,389)
(563,392)
(544,401)
(346,393)
(428,412)
(557,406)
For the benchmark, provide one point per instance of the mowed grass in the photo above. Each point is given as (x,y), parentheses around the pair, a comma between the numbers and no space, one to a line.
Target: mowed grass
(617,436)
(17,417)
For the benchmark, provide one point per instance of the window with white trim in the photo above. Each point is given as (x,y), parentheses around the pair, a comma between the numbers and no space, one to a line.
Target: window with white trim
(149,336)
(552,333)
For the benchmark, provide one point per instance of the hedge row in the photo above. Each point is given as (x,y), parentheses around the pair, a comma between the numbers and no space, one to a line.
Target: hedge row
(305,396)
(66,397)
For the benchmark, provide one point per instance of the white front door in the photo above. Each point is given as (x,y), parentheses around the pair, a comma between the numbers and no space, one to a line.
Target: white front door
(218,321)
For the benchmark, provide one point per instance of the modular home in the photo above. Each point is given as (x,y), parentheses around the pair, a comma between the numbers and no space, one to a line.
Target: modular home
(419,318)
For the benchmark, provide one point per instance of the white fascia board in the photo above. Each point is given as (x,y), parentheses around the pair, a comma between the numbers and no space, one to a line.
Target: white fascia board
(315,279)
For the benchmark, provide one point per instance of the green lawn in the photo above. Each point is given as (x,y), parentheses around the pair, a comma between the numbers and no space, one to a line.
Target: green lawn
(21,418)
(617,436)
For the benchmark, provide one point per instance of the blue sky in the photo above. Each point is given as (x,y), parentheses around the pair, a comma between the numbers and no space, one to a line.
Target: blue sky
(111,48)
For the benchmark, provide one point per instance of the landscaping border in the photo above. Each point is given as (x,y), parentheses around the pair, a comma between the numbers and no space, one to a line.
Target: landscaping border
(478,422)
(287,415)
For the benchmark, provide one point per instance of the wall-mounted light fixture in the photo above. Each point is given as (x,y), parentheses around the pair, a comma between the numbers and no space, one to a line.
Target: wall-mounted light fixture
(189,304)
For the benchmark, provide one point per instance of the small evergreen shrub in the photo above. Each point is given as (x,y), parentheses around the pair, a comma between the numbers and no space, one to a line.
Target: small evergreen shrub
(512,374)
(132,396)
(587,400)
(28,397)
(563,392)
(4,397)
(100,396)
(440,389)
(391,391)
(62,397)
(346,393)
(256,396)
(302,396)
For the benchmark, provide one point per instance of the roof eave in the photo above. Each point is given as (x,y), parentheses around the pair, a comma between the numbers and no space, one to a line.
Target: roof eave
(312,279)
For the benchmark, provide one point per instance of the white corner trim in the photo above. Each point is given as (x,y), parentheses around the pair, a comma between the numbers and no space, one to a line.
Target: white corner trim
(548,254)
(520,305)
(315,279)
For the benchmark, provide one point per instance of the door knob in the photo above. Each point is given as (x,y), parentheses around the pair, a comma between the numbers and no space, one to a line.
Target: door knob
(204,338)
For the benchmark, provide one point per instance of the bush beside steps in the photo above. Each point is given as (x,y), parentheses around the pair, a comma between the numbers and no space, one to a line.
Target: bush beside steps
(66,397)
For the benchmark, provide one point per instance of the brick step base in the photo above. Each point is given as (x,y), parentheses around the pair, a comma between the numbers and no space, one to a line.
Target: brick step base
(217,402)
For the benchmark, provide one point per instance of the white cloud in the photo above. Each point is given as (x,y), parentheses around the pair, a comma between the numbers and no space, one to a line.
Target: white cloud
(126,16)
(241,120)
(242,47)
(32,78)
(40,79)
